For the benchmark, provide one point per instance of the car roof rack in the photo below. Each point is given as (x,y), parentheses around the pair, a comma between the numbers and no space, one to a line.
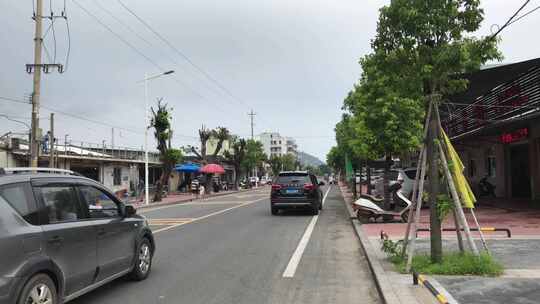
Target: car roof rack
(16,170)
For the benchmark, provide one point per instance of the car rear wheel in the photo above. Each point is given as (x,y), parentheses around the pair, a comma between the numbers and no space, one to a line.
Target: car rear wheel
(143,261)
(40,289)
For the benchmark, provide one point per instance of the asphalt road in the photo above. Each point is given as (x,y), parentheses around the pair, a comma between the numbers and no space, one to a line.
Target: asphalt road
(230,249)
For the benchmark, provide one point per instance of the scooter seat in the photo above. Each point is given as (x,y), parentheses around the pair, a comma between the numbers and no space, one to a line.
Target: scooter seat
(372,198)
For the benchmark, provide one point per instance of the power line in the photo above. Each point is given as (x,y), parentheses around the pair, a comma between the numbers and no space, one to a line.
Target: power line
(492,106)
(509,21)
(139,52)
(183,55)
(61,112)
(15,100)
(119,37)
(525,15)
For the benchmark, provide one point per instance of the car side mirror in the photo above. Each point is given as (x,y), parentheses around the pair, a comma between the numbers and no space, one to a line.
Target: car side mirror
(129,211)
(321,183)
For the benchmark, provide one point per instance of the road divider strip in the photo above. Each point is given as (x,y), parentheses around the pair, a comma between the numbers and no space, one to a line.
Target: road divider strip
(172,221)
(290,270)
(206,216)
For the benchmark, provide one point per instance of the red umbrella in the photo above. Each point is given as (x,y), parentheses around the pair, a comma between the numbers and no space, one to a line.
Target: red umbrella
(212,168)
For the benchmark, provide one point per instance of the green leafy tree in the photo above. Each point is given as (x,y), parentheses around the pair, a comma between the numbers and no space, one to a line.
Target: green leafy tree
(236,157)
(289,162)
(420,50)
(276,163)
(161,122)
(254,155)
(335,159)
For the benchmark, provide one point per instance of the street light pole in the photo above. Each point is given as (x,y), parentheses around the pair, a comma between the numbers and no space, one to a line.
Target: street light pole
(146,127)
(146,196)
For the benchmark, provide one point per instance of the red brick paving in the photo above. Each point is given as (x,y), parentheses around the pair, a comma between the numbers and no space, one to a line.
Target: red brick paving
(522,221)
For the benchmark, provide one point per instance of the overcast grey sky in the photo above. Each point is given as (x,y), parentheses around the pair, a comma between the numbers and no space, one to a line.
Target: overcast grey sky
(292,61)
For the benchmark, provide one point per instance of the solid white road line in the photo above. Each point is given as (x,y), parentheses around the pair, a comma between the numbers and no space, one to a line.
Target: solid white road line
(297,255)
(207,216)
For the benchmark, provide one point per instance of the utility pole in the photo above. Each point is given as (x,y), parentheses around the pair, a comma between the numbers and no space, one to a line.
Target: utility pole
(251,114)
(112,138)
(38,41)
(51,143)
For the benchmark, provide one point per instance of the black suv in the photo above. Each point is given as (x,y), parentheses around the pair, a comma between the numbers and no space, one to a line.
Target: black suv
(296,189)
(63,235)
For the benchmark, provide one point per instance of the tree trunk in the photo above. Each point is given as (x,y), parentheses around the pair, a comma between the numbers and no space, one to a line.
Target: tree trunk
(355,195)
(163,180)
(433,166)
(236,177)
(386,192)
(368,179)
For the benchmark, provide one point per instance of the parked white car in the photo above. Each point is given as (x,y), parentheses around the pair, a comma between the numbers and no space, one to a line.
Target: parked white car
(407,175)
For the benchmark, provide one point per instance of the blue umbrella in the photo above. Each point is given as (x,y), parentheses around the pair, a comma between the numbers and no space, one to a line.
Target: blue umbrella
(188,167)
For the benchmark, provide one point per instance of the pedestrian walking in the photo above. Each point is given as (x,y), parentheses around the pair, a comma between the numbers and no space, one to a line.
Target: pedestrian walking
(45,147)
(201,191)
(140,190)
(195,184)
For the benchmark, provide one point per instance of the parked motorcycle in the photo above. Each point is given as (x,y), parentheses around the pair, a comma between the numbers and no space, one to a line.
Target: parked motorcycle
(369,207)
(486,188)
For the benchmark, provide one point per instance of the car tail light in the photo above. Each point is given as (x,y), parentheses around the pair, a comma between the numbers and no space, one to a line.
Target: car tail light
(276,187)
(309,187)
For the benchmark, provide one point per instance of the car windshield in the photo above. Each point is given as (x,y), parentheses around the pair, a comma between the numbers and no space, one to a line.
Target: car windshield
(293,179)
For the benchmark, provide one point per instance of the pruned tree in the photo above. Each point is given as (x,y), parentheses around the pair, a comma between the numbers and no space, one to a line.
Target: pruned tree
(204,135)
(236,157)
(221,134)
(161,122)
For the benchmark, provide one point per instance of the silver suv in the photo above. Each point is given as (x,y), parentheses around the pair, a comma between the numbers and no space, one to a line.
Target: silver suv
(63,235)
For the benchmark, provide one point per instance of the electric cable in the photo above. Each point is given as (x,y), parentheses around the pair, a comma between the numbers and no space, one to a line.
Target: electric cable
(140,53)
(509,20)
(490,106)
(53,31)
(183,55)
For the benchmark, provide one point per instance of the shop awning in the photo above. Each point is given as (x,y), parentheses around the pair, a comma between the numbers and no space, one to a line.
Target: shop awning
(188,167)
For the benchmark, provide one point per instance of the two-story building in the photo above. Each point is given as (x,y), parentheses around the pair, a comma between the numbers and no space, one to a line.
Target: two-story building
(495,127)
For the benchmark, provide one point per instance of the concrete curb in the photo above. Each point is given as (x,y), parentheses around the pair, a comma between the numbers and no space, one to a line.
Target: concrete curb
(187,200)
(435,288)
(381,280)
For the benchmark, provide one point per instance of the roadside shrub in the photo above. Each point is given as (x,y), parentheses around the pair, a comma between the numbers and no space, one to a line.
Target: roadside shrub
(454,263)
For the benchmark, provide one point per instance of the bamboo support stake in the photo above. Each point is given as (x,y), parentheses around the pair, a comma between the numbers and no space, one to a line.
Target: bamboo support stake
(410,218)
(416,219)
(480,231)
(416,184)
(457,203)
(458,231)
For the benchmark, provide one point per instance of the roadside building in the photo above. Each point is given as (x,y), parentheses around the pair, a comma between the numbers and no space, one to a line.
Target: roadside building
(495,127)
(276,145)
(119,169)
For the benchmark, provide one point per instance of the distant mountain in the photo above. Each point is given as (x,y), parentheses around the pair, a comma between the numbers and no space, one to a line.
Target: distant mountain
(307,159)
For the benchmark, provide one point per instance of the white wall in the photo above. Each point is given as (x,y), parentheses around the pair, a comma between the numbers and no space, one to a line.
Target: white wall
(108,177)
(7,160)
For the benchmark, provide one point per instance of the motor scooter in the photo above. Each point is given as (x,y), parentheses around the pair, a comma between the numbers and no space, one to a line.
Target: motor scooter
(369,207)
(486,188)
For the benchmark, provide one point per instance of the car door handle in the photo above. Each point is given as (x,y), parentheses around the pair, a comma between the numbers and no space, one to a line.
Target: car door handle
(55,240)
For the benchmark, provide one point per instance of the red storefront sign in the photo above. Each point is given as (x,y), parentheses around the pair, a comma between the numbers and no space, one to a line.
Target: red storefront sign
(517,135)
